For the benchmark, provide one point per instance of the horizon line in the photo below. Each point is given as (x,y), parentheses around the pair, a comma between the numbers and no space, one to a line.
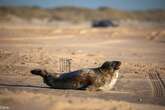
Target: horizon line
(85,7)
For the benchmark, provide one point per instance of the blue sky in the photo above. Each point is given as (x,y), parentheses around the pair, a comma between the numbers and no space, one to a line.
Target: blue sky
(118,4)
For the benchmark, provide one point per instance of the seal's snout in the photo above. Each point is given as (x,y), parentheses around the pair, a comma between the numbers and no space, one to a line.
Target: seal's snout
(112,65)
(116,65)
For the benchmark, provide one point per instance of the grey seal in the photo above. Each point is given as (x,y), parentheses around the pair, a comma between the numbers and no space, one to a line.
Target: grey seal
(92,79)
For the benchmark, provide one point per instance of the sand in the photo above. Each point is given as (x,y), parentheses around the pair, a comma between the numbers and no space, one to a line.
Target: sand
(23,48)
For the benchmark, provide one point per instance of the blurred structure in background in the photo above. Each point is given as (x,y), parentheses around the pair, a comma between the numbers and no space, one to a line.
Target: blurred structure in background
(103,23)
(64,65)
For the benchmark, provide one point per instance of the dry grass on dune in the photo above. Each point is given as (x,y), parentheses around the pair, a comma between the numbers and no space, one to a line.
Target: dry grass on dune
(82,14)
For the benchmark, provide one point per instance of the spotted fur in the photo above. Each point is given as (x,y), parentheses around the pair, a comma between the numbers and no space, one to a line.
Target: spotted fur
(93,79)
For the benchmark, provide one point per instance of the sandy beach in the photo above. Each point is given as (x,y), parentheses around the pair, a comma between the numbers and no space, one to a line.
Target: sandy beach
(26,47)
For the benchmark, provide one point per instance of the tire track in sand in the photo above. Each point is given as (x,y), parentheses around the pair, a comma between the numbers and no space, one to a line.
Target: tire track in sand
(157,84)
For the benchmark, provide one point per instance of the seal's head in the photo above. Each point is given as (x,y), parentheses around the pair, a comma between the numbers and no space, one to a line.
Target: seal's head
(39,72)
(111,66)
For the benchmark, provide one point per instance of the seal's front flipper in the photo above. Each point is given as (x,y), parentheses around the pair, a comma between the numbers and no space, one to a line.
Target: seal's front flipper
(83,87)
(92,88)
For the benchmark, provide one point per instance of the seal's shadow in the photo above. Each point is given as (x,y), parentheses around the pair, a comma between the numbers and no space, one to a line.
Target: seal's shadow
(21,86)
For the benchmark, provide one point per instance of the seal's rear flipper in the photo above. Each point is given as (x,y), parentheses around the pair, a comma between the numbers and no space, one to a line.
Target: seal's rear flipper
(44,73)
(39,72)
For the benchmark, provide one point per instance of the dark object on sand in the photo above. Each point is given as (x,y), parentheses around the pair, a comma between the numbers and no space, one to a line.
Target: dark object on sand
(103,23)
(88,78)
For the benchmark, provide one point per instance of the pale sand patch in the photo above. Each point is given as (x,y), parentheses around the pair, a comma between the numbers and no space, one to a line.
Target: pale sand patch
(28,100)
